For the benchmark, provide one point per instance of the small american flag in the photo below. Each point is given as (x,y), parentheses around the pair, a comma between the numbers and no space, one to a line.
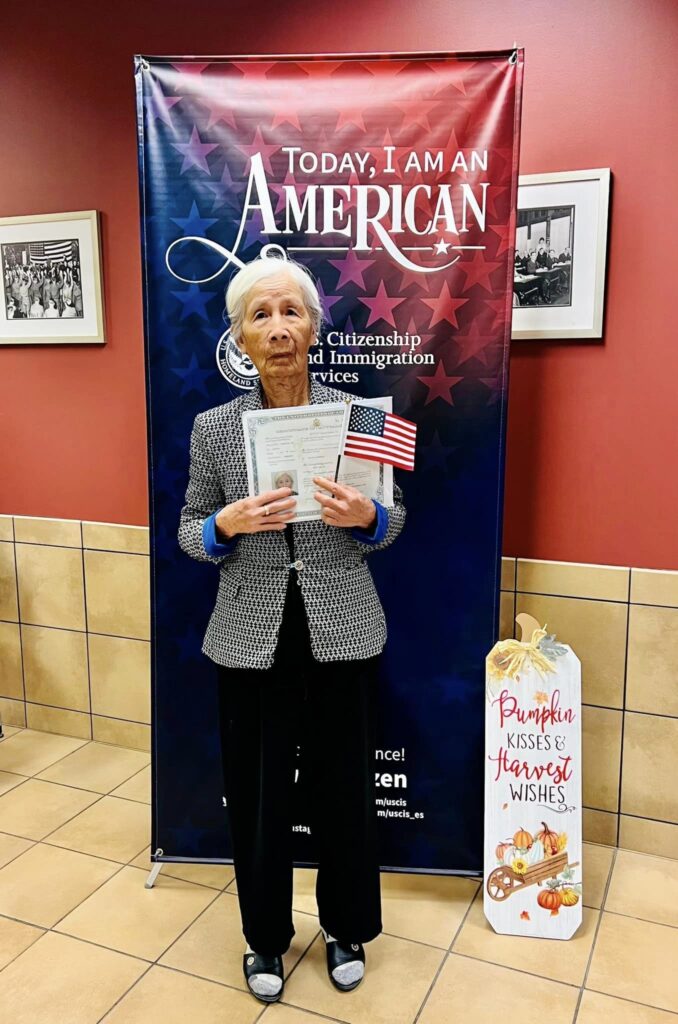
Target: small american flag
(380,436)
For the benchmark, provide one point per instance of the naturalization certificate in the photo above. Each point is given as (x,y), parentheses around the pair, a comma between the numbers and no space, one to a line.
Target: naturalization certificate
(288,447)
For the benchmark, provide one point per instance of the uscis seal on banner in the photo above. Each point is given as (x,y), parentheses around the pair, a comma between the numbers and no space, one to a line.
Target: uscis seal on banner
(234,365)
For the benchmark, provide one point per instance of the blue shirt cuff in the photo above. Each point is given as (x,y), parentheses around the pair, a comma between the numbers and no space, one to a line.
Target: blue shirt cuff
(215,548)
(380,527)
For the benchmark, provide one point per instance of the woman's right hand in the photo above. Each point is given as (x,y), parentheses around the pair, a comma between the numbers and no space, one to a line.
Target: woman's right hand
(271,510)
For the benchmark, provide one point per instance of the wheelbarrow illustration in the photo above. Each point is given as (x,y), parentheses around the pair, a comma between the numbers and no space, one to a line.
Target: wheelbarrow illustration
(504,880)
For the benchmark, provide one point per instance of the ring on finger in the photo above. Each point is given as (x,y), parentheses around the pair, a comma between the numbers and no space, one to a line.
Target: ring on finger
(267,510)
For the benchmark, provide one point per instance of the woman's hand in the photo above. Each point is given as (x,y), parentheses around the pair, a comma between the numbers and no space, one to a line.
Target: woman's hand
(347,506)
(271,510)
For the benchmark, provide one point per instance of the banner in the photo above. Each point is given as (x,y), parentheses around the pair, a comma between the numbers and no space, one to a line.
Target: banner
(393,179)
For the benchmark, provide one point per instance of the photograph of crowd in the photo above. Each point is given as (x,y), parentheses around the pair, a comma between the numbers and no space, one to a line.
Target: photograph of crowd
(543,259)
(42,280)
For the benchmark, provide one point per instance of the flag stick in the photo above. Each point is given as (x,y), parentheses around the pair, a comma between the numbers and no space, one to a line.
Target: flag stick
(344,431)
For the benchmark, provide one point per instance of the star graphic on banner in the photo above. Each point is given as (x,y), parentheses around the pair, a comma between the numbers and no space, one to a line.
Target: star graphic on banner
(351,268)
(348,326)
(194,152)
(167,478)
(225,191)
(194,300)
(384,68)
(159,106)
(502,231)
(218,112)
(327,301)
(444,307)
(415,112)
(412,329)
(287,103)
(190,72)
(441,247)
(478,270)
(318,68)
(379,155)
(351,113)
(448,74)
(257,145)
(280,192)
(492,383)
(194,224)
(254,231)
(193,377)
(449,149)
(439,384)
(498,307)
(435,455)
(494,194)
(474,344)
(502,155)
(254,68)
(413,277)
(381,306)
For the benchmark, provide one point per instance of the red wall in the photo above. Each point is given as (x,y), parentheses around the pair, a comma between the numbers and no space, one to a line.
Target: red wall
(592,442)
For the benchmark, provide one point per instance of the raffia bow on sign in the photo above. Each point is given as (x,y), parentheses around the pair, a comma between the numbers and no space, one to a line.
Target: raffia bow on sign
(507,657)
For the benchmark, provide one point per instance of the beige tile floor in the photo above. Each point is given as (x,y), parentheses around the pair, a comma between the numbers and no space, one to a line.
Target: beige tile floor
(82,940)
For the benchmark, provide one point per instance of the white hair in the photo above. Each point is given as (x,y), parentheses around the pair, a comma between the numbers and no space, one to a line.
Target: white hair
(266,266)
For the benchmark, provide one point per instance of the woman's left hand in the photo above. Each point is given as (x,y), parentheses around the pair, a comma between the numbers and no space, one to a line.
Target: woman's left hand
(347,507)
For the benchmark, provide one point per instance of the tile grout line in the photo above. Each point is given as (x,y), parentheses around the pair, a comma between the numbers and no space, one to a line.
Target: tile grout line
(70,629)
(74,547)
(18,612)
(623,721)
(633,1002)
(84,742)
(135,721)
(599,922)
(90,714)
(456,935)
(89,666)
(446,956)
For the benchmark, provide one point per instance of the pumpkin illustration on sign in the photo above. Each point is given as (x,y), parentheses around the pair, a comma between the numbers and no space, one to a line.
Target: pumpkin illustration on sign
(549,840)
(536,859)
(550,899)
(522,840)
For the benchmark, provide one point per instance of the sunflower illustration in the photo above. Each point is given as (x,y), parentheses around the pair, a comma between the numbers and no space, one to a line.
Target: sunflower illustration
(519,865)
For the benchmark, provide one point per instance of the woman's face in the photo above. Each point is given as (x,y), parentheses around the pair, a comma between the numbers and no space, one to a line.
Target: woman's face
(284,480)
(277,330)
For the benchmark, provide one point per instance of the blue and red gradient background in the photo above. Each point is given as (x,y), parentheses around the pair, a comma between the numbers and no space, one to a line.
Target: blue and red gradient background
(200,122)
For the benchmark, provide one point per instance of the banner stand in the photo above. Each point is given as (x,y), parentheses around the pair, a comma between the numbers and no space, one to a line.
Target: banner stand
(393,179)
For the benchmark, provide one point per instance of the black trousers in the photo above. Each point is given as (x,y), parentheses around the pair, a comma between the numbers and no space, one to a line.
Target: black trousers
(327,709)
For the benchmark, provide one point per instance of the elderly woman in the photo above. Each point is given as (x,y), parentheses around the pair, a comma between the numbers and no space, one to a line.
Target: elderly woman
(296,633)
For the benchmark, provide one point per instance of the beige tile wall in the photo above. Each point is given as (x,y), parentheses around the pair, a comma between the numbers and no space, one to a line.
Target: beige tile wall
(623,624)
(75,629)
(75,658)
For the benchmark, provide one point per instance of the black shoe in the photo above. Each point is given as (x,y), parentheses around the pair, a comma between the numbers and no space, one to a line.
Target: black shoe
(337,955)
(254,963)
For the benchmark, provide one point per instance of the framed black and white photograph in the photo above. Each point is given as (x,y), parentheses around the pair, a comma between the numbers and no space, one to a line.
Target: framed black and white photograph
(560,255)
(50,279)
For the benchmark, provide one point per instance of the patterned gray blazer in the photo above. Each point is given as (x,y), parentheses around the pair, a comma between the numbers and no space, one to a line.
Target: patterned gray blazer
(345,616)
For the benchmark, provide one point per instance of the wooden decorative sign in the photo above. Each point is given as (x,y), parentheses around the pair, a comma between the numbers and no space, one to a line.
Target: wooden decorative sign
(533,854)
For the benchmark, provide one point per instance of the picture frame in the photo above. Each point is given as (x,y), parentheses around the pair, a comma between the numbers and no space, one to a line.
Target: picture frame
(561,254)
(51,290)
